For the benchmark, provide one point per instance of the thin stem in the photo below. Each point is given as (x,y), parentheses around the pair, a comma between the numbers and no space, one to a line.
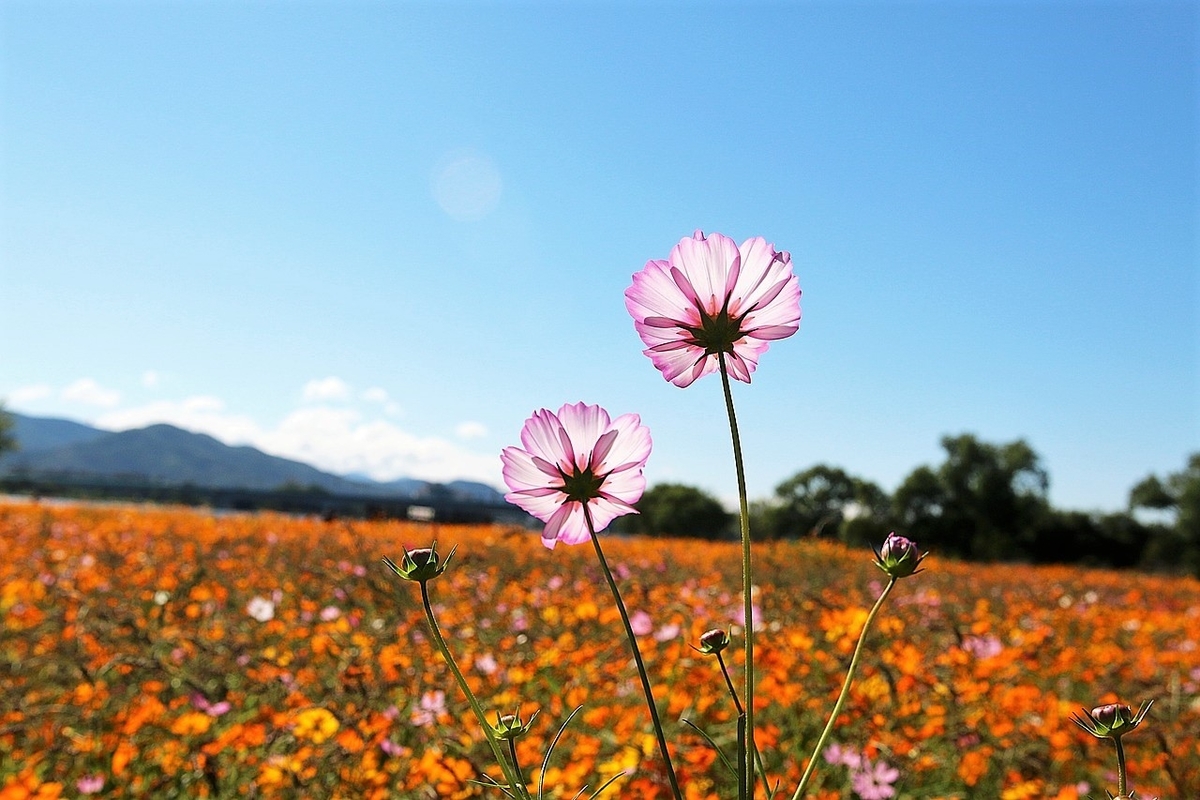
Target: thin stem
(837,707)
(729,682)
(741,743)
(762,770)
(514,782)
(1121,776)
(747,598)
(512,751)
(637,655)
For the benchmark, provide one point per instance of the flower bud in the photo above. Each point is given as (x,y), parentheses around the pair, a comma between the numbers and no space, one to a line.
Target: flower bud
(899,556)
(420,564)
(509,726)
(1113,715)
(1111,721)
(714,641)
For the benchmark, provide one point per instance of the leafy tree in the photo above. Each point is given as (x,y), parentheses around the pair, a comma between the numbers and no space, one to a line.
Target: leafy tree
(672,509)
(824,500)
(923,507)
(984,501)
(1179,494)
(1109,540)
(1151,493)
(7,442)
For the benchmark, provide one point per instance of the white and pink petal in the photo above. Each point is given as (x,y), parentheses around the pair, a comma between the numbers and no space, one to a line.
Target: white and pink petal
(584,424)
(521,470)
(630,446)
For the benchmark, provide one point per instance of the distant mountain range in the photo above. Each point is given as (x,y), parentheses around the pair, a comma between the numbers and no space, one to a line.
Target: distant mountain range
(164,455)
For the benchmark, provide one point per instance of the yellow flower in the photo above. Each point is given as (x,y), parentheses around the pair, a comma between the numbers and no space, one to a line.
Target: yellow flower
(314,724)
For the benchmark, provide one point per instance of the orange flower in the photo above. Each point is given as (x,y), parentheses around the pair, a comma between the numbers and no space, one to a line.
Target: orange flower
(313,698)
(192,723)
(121,757)
(974,765)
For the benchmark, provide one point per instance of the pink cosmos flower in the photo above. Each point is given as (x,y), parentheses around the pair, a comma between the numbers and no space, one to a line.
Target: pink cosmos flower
(712,297)
(90,784)
(983,646)
(873,781)
(201,703)
(578,458)
(836,754)
(432,705)
(668,632)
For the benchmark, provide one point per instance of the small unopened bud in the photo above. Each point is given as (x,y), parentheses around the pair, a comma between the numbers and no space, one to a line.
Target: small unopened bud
(899,556)
(509,726)
(420,564)
(714,641)
(1111,721)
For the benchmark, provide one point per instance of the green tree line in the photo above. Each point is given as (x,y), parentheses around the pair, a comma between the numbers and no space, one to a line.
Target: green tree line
(985,502)
(7,442)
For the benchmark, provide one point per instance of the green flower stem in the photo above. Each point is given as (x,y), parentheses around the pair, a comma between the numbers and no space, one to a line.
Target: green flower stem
(637,655)
(747,765)
(837,707)
(729,682)
(514,781)
(1122,780)
(741,744)
(512,751)
(742,713)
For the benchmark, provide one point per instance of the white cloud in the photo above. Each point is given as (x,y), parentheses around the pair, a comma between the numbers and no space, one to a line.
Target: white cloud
(88,392)
(335,439)
(381,396)
(199,414)
(331,388)
(151,379)
(29,394)
(376,395)
(471,430)
(340,440)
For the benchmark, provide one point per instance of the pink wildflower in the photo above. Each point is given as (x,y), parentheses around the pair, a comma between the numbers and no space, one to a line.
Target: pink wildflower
(486,664)
(712,297)
(201,703)
(432,705)
(874,781)
(90,784)
(836,754)
(641,623)
(217,709)
(982,646)
(574,460)
(738,617)
(668,632)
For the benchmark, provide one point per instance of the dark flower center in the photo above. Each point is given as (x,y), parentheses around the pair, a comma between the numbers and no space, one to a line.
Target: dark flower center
(717,334)
(582,486)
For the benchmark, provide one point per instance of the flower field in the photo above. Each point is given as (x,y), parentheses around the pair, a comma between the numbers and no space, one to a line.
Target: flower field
(150,652)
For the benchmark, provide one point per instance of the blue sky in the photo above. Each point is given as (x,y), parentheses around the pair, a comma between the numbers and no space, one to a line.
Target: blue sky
(376,236)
